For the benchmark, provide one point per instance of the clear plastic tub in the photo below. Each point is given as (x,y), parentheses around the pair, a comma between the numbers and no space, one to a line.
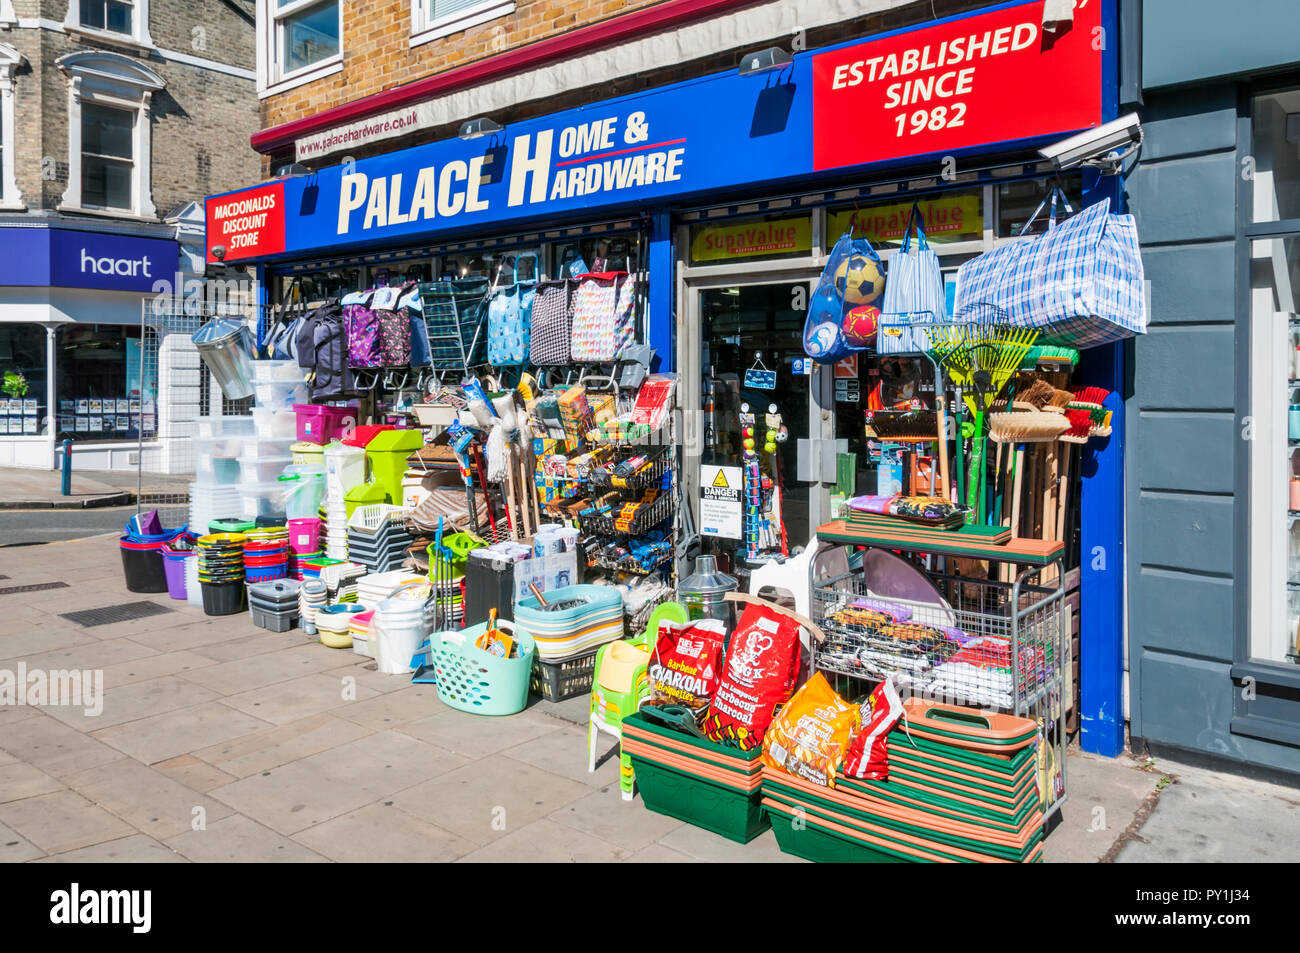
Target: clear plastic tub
(262,469)
(277,371)
(219,446)
(265,448)
(303,494)
(262,499)
(279,395)
(212,469)
(208,427)
(275,424)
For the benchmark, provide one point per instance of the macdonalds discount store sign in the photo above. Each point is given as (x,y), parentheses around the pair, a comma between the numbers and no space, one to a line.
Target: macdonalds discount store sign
(983,79)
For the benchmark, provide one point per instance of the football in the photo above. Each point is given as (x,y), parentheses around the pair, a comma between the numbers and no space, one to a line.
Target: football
(822,341)
(859,279)
(861,325)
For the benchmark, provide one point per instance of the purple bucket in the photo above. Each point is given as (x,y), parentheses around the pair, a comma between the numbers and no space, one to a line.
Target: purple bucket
(174,569)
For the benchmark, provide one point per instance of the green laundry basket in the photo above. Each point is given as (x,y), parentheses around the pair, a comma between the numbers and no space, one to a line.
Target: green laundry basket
(387,454)
(231,526)
(470,679)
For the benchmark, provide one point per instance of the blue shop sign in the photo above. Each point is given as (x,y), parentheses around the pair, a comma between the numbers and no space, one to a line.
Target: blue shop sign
(66,258)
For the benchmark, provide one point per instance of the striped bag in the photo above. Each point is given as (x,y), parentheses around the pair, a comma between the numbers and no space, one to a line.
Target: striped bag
(914,294)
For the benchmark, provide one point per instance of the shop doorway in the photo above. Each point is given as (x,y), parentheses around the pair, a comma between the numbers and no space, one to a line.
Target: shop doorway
(751,359)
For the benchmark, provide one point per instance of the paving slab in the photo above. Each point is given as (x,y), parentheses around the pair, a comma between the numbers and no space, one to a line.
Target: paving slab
(62,821)
(1213,817)
(135,849)
(286,702)
(382,833)
(173,733)
(193,773)
(27,488)
(55,748)
(545,841)
(19,780)
(146,799)
(475,736)
(249,754)
(626,824)
(1105,793)
(14,848)
(238,839)
(490,798)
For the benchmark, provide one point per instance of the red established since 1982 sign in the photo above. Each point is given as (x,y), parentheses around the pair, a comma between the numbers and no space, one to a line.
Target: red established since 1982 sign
(988,78)
(247,224)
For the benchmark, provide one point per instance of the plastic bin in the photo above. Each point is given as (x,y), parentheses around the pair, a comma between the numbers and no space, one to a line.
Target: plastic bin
(265,370)
(304,535)
(311,454)
(362,495)
(232,426)
(216,471)
(174,563)
(345,467)
(279,395)
(275,423)
(387,454)
(262,469)
(262,500)
(303,495)
(321,423)
(266,448)
(563,678)
(142,565)
(224,598)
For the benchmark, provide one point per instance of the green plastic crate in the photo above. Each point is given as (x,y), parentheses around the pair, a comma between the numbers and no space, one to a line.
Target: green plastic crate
(822,847)
(729,813)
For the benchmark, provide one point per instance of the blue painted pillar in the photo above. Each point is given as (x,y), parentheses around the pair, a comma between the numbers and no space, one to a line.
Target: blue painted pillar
(661,316)
(1101,549)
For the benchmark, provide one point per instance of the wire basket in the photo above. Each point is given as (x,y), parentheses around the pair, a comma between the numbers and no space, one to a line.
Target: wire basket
(650,473)
(606,520)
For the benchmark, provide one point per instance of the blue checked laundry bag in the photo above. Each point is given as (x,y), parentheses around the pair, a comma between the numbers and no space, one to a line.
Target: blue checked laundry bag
(1081,283)
(510,319)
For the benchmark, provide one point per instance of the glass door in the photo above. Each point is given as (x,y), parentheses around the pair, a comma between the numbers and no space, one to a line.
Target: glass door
(755,395)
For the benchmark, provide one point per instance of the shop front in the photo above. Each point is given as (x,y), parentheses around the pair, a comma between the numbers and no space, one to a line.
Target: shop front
(71,347)
(724,196)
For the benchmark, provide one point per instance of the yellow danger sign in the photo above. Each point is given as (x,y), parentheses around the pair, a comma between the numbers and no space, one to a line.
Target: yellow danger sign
(721,479)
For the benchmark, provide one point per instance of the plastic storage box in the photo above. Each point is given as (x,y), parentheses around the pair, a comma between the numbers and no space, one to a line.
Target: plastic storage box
(262,469)
(264,370)
(275,423)
(279,395)
(223,426)
(321,423)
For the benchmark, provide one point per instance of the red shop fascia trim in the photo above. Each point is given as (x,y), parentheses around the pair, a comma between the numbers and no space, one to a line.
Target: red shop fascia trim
(661,16)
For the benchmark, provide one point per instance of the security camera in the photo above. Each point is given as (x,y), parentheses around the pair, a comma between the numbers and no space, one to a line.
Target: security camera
(1105,147)
(219,252)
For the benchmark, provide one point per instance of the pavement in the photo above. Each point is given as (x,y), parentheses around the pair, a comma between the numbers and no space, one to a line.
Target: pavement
(23,488)
(219,741)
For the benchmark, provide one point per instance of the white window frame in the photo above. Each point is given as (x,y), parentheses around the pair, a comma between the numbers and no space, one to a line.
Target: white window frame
(138,37)
(7,16)
(10,198)
(425,28)
(270,80)
(120,82)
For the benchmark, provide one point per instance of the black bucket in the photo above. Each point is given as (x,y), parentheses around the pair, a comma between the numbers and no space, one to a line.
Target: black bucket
(143,568)
(223,598)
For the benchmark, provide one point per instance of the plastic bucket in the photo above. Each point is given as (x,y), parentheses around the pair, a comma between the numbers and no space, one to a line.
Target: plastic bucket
(224,598)
(174,568)
(142,565)
(397,630)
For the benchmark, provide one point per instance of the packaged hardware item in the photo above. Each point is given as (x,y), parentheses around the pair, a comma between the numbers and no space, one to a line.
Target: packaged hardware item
(687,664)
(868,756)
(809,737)
(761,668)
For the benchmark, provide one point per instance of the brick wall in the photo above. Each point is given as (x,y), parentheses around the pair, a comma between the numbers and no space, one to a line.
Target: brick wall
(200,123)
(377,54)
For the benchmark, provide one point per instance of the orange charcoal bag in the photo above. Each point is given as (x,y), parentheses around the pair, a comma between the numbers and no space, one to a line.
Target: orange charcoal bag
(759,675)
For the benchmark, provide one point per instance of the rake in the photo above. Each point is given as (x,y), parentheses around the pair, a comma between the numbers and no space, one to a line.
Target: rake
(980,351)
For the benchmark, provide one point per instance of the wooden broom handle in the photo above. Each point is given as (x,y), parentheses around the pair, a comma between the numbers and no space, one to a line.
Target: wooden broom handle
(747,599)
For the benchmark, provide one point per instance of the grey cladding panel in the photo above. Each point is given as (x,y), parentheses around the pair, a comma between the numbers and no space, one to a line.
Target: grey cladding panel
(1185,451)
(1190,284)
(1185,200)
(1191,532)
(1186,367)
(1190,615)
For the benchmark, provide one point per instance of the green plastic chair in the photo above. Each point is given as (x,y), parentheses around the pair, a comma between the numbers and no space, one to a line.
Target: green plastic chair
(609,704)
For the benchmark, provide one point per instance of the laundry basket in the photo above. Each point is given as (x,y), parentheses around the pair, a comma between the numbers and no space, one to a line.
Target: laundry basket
(470,679)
